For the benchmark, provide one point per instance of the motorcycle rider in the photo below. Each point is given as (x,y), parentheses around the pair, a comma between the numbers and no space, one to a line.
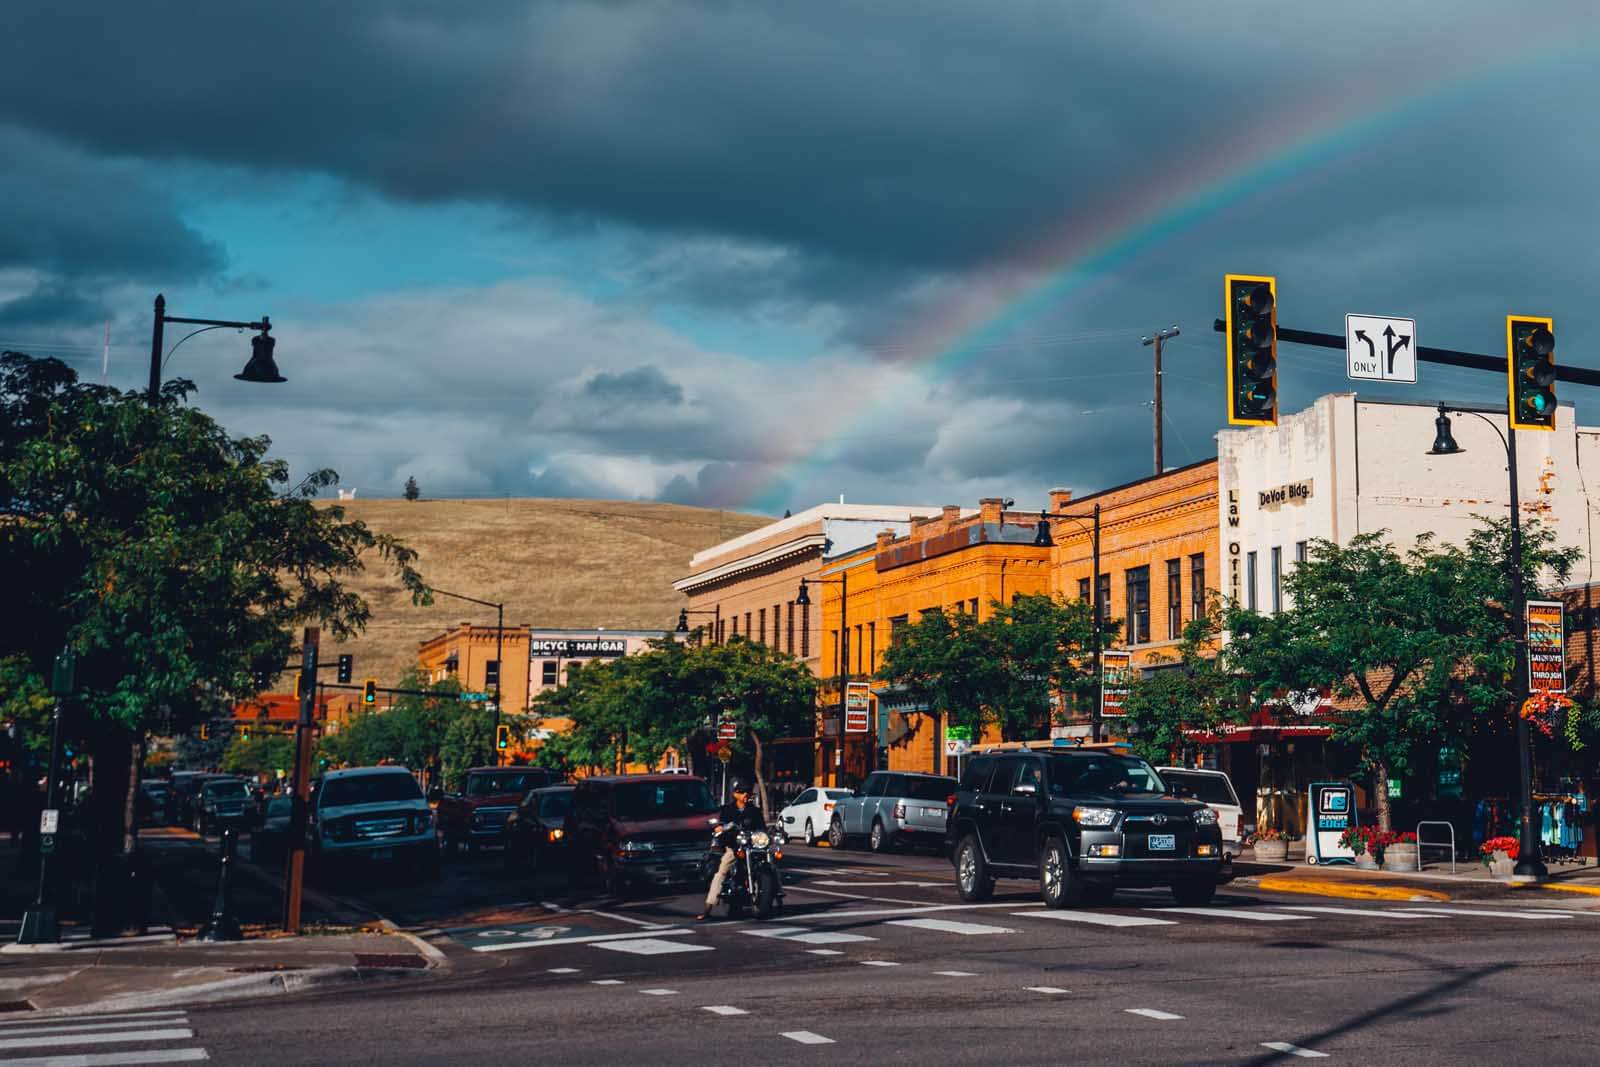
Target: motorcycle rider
(740,815)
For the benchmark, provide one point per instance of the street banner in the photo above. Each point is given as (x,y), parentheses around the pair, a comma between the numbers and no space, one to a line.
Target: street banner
(1547,647)
(1116,672)
(857,705)
(729,730)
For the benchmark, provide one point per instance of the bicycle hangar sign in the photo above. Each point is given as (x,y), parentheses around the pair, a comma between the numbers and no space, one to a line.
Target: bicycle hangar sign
(569,647)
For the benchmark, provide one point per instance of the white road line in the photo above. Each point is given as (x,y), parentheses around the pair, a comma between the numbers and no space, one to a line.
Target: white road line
(606,981)
(118,1038)
(169,1016)
(1375,913)
(68,1025)
(659,992)
(916,909)
(1095,918)
(1153,1013)
(631,920)
(1490,914)
(950,926)
(806,1037)
(1047,989)
(562,970)
(114,1059)
(591,939)
(1235,913)
(874,885)
(879,963)
(724,1009)
(824,952)
(807,937)
(958,974)
(1294,1050)
(650,946)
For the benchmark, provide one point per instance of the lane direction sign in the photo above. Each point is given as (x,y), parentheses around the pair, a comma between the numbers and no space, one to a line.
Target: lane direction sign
(1380,348)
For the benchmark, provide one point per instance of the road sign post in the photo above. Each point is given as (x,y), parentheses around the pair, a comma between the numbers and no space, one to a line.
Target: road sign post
(1380,348)
(39,923)
(294,876)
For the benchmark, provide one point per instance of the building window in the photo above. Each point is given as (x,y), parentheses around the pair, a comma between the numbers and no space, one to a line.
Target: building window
(805,631)
(1104,592)
(1197,585)
(1277,579)
(789,648)
(762,615)
(491,673)
(749,631)
(777,638)
(897,627)
(841,649)
(872,646)
(1174,599)
(859,650)
(973,603)
(1250,581)
(547,672)
(1299,551)
(1138,605)
(722,630)
(736,626)
(1083,589)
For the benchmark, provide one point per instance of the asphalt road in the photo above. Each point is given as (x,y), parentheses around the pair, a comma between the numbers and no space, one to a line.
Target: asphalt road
(874,959)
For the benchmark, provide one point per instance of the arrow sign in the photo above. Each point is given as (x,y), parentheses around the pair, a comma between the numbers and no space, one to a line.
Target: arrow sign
(1398,360)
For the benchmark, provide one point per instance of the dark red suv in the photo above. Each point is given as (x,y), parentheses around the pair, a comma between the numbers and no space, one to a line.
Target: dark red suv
(632,831)
(477,815)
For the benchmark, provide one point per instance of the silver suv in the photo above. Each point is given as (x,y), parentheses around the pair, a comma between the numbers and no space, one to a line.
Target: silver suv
(374,814)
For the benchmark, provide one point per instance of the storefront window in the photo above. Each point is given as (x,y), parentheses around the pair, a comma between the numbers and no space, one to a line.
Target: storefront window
(1197,585)
(1138,605)
(1250,582)
(1174,599)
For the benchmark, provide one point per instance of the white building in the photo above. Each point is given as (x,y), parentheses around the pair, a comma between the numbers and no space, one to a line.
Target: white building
(1349,465)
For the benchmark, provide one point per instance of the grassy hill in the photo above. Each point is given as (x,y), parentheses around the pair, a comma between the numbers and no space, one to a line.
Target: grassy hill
(569,563)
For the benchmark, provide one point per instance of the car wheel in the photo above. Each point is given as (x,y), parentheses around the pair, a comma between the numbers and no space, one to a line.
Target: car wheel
(836,835)
(811,834)
(972,873)
(1059,885)
(878,840)
(1194,894)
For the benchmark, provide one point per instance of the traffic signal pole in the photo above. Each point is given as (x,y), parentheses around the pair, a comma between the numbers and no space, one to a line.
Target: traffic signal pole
(294,877)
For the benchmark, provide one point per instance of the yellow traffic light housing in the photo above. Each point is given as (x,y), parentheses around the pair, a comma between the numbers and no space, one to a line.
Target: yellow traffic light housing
(1531,371)
(1251,330)
(369,691)
(502,737)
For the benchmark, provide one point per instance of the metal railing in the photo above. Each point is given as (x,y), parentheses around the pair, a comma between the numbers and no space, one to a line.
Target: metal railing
(1421,844)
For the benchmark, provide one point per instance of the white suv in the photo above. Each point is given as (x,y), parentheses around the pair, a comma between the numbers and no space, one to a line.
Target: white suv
(1213,789)
(373,813)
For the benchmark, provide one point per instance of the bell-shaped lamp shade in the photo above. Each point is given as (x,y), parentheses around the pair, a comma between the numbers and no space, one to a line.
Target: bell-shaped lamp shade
(1444,443)
(261,367)
(683,621)
(803,597)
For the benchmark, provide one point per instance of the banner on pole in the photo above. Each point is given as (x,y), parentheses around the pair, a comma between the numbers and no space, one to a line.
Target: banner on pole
(857,705)
(1547,646)
(1116,672)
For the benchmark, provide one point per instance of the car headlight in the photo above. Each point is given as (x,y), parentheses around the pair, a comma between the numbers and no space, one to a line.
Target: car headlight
(422,822)
(1205,817)
(759,839)
(557,834)
(1100,817)
(637,846)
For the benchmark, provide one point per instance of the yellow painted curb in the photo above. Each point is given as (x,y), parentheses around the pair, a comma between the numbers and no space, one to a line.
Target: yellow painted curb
(1593,891)
(1348,890)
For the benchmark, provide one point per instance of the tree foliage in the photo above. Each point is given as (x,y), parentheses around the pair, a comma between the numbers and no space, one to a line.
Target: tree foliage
(1194,690)
(263,753)
(411,490)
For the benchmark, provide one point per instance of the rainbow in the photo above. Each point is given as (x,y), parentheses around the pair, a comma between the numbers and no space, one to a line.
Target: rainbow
(1185,195)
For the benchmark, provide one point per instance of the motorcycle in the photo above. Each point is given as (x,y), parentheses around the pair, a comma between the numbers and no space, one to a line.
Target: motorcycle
(753,883)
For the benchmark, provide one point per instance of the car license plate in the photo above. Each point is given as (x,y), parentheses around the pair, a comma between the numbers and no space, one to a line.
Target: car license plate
(933,813)
(383,853)
(1163,842)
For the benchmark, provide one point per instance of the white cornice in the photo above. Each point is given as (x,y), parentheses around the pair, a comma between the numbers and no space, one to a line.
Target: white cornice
(750,562)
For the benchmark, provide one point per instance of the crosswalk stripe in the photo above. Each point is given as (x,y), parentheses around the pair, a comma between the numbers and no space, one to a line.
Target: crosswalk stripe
(958,974)
(1153,1013)
(806,1037)
(170,1016)
(1095,918)
(589,940)
(1294,1050)
(949,926)
(1235,913)
(118,1038)
(69,1026)
(807,937)
(649,946)
(1480,911)
(724,1009)
(1047,989)
(114,1059)
(1374,913)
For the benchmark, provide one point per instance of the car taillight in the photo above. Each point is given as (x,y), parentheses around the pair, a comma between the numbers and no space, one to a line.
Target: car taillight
(828,806)
(950,801)
(899,809)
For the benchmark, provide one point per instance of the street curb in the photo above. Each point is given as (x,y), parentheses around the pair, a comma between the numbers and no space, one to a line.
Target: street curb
(1345,890)
(437,960)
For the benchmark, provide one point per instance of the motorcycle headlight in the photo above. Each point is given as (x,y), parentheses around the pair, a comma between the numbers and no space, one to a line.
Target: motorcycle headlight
(1095,817)
(1205,817)
(760,839)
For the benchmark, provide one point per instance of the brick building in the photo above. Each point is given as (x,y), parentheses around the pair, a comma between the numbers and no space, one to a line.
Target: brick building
(467,653)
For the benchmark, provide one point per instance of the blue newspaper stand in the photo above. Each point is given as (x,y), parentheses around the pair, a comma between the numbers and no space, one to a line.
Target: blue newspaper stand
(1331,811)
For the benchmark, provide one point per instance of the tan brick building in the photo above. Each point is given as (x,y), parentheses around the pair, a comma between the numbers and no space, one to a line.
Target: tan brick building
(467,653)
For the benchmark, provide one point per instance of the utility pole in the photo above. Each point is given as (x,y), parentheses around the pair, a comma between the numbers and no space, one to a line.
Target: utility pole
(294,876)
(1157,339)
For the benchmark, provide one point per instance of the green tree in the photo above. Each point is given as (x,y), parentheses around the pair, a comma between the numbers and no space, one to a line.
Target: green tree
(1195,690)
(267,753)
(174,558)
(1044,646)
(769,693)
(949,663)
(412,492)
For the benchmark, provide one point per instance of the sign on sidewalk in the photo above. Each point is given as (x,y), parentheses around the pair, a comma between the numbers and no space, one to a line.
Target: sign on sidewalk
(1547,647)
(1116,674)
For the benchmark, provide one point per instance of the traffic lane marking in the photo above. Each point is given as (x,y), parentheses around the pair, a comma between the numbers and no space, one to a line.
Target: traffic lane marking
(562,970)
(650,946)
(118,1038)
(862,885)
(659,992)
(1347,890)
(168,1016)
(607,981)
(1375,913)
(1096,918)
(950,926)
(958,974)
(1235,913)
(1047,989)
(724,1009)
(1507,914)
(588,940)
(824,952)
(879,963)
(114,1059)
(1153,1013)
(806,1037)
(1294,1050)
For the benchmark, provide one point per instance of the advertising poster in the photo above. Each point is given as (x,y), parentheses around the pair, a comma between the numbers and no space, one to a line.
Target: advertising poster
(1547,647)
(1117,673)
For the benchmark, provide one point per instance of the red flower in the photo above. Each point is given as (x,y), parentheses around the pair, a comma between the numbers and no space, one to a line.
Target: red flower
(1509,845)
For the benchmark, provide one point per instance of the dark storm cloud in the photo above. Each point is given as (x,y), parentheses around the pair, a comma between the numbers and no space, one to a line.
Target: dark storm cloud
(642,385)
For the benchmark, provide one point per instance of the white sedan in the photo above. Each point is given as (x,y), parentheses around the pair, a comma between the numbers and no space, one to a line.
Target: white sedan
(808,817)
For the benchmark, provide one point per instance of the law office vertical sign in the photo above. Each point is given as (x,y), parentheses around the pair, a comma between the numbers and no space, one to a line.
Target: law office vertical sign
(1547,647)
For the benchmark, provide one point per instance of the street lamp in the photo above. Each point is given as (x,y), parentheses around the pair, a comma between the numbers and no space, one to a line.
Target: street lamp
(1042,537)
(499,654)
(1444,444)
(803,599)
(261,368)
(716,622)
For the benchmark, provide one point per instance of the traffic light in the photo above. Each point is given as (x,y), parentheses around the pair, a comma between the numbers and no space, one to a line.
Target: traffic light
(1252,333)
(369,691)
(502,736)
(1531,366)
(296,690)
(245,733)
(347,665)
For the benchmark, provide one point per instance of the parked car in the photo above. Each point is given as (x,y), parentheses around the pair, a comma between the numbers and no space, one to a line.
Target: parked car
(154,795)
(477,814)
(223,803)
(536,833)
(185,792)
(893,808)
(269,842)
(372,814)
(810,814)
(625,832)
(1213,789)
(1083,824)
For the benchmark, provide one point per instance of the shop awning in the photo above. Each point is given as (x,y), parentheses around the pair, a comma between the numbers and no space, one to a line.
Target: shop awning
(1303,721)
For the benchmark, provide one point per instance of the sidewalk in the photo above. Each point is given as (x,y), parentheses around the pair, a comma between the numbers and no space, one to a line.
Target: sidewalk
(1568,885)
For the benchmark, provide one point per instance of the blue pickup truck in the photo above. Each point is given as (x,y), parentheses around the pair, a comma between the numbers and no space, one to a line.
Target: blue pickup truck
(893,807)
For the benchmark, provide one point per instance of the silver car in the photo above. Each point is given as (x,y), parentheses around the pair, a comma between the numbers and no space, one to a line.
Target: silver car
(894,807)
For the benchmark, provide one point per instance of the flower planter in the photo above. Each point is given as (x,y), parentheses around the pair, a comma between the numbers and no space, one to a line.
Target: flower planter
(1272,851)
(1366,861)
(1400,856)
(1501,865)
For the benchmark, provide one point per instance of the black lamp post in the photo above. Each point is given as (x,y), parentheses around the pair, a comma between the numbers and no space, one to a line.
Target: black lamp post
(716,622)
(1444,444)
(261,367)
(804,598)
(1042,537)
(499,653)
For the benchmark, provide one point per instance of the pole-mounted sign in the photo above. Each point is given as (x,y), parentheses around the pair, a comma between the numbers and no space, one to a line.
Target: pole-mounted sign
(1547,647)
(1380,348)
